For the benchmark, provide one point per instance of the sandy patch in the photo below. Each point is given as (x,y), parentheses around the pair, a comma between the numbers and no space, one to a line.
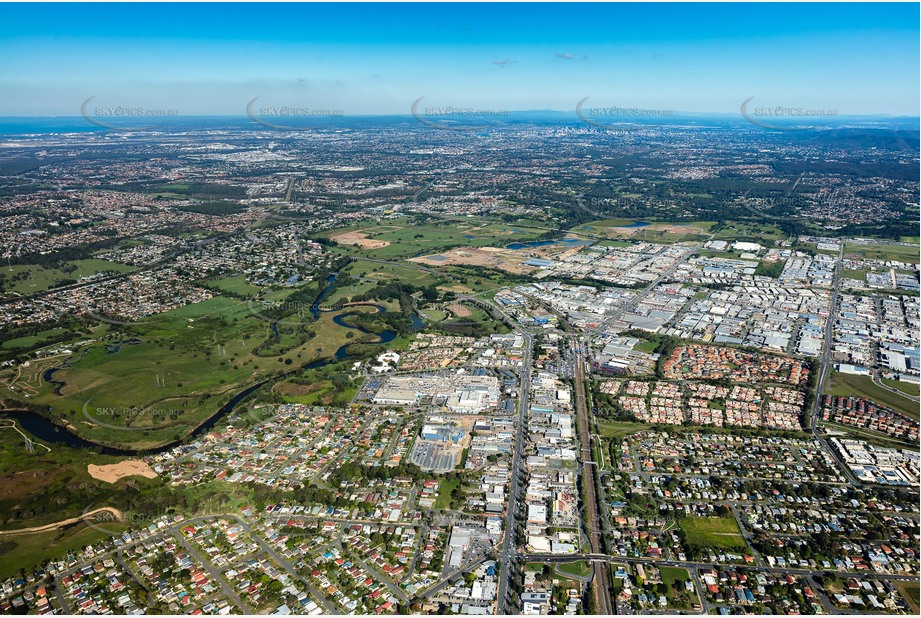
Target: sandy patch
(114,472)
(459,310)
(458,288)
(359,239)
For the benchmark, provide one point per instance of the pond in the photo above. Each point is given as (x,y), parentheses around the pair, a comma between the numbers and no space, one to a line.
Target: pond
(518,246)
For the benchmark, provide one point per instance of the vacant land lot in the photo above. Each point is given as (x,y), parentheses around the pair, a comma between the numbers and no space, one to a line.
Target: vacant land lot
(445,488)
(762,233)
(490,257)
(653,232)
(613,429)
(111,473)
(899,253)
(411,240)
(361,239)
(715,532)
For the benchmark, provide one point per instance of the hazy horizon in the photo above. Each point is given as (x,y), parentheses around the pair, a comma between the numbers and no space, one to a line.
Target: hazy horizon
(375,60)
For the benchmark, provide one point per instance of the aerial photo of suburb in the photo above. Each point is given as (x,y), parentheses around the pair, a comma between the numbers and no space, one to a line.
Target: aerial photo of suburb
(460,308)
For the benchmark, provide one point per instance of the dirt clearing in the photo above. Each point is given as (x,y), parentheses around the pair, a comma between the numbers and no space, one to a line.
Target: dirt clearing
(113,472)
(459,310)
(359,239)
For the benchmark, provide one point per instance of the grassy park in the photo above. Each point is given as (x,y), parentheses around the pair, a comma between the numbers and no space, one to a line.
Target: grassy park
(715,532)
(30,278)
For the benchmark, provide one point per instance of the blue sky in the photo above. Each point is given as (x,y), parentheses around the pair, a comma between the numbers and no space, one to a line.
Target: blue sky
(378,59)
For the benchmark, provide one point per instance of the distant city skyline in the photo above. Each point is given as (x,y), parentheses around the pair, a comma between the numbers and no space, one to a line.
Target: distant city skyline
(376,59)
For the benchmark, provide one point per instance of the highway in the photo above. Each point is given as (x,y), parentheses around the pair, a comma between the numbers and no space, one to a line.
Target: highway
(601,582)
(826,348)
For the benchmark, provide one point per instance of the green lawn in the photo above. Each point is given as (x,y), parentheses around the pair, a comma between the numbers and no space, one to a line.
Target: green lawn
(236,285)
(435,314)
(860,275)
(614,429)
(182,367)
(646,346)
(846,385)
(576,569)
(445,488)
(715,532)
(677,598)
(32,340)
(38,279)
(535,567)
(28,550)
(905,387)
(374,271)
(673,574)
(911,592)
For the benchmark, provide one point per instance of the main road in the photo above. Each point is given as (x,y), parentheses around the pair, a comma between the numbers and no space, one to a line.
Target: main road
(824,363)
(509,543)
